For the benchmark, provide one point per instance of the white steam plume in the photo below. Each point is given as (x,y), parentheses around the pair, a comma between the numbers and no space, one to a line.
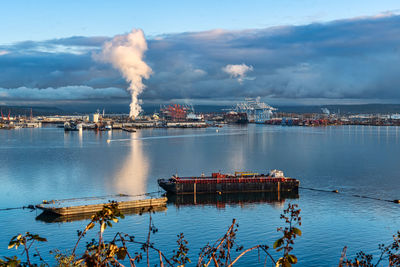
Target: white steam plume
(237,71)
(125,53)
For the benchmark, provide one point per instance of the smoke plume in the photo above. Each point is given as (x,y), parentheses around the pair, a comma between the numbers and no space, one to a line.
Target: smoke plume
(237,71)
(125,53)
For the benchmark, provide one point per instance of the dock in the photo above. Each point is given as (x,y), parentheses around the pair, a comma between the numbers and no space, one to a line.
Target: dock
(76,210)
(49,217)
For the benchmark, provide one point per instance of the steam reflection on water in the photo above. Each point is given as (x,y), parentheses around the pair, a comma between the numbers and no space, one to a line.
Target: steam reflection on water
(131,178)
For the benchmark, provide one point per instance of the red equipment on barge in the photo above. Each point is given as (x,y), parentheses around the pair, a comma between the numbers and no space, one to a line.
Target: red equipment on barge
(274,181)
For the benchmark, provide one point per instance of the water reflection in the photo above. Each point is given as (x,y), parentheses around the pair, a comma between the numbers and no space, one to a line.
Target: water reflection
(237,160)
(132,177)
(67,138)
(80,137)
(242,199)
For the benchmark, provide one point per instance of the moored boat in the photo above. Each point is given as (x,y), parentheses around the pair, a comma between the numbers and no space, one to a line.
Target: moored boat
(70,126)
(274,181)
(129,129)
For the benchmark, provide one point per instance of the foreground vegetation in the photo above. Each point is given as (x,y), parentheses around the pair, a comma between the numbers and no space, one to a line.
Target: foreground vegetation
(223,252)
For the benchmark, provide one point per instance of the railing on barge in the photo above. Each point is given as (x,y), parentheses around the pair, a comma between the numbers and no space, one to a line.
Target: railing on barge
(210,180)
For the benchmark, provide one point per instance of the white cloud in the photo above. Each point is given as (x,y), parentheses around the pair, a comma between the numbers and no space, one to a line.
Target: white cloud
(3,52)
(237,71)
(67,49)
(200,72)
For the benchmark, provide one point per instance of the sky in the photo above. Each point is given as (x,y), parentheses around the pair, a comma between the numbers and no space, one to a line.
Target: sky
(287,52)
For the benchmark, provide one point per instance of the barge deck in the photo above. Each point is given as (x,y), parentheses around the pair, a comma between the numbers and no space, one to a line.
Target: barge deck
(72,210)
(274,181)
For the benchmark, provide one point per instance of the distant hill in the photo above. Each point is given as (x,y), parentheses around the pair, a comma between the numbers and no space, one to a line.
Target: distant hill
(344,109)
(26,111)
(149,109)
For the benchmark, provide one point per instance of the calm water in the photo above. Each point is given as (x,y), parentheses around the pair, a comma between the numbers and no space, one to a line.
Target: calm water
(46,163)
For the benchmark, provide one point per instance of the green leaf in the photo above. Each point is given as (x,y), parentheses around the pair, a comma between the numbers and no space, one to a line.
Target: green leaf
(278,243)
(121,254)
(12,244)
(292,258)
(279,262)
(90,226)
(296,231)
(39,239)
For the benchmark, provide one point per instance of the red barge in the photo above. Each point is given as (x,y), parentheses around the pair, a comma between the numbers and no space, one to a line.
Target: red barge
(274,181)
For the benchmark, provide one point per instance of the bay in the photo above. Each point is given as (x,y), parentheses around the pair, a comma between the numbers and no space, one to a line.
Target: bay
(46,163)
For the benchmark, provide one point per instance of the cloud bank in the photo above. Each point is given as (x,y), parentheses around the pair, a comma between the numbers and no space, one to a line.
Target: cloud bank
(61,93)
(348,59)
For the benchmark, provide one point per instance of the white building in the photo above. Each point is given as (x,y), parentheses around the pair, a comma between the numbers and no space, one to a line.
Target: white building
(94,117)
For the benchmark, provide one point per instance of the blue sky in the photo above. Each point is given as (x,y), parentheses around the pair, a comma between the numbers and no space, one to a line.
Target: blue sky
(287,52)
(48,19)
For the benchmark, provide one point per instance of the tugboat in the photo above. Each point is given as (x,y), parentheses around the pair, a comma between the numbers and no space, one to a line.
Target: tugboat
(274,181)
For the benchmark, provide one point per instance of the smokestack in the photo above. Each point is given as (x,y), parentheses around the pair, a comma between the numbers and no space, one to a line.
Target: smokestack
(125,53)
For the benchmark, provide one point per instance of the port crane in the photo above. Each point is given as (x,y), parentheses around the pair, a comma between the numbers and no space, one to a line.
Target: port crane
(256,111)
